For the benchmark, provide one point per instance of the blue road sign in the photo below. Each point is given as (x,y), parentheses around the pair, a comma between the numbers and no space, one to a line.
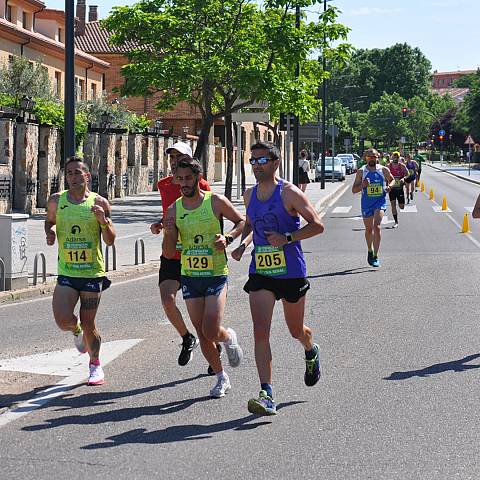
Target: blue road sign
(441,132)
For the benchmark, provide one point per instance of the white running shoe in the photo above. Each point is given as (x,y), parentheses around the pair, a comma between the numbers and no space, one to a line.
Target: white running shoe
(96,377)
(234,352)
(78,341)
(221,387)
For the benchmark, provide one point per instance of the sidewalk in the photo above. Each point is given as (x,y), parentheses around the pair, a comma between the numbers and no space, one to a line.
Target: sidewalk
(459,170)
(132,217)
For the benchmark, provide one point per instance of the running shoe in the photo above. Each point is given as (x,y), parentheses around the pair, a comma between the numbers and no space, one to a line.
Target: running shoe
(312,368)
(376,262)
(370,257)
(96,377)
(188,345)
(78,339)
(411,196)
(221,387)
(395,225)
(220,351)
(234,352)
(263,405)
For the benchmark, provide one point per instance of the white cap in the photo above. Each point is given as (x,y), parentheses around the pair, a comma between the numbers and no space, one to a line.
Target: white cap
(181,147)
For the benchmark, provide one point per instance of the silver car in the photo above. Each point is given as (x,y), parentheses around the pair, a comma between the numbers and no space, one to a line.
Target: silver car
(350,161)
(339,170)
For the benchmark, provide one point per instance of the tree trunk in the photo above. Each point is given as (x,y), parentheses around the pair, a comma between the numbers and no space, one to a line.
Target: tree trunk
(202,143)
(229,146)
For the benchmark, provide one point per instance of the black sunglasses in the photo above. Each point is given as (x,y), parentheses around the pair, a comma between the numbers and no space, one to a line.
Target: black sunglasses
(259,160)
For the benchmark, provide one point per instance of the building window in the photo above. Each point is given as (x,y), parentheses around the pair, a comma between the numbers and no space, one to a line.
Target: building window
(93,91)
(60,35)
(9,13)
(79,89)
(58,84)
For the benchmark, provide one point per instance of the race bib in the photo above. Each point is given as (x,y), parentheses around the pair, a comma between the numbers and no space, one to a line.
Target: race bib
(410,172)
(197,262)
(270,260)
(78,255)
(375,190)
(398,183)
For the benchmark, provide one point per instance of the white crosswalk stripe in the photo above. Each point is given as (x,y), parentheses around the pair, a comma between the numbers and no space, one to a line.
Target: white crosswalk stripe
(342,209)
(438,209)
(409,209)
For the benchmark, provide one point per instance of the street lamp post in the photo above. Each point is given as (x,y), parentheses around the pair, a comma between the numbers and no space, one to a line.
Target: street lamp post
(69,88)
(296,124)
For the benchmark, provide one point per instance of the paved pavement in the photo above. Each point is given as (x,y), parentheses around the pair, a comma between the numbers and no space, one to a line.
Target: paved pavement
(132,217)
(458,170)
(398,397)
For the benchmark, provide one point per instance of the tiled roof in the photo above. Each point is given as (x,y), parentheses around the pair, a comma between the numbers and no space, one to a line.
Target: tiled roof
(95,40)
(457,72)
(457,94)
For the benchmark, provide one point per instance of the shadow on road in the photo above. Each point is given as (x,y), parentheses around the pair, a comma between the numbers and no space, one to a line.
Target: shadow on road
(11,400)
(454,366)
(351,271)
(182,433)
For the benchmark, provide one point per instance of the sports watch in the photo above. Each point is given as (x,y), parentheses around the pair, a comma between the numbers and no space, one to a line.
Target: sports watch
(229,239)
(289,237)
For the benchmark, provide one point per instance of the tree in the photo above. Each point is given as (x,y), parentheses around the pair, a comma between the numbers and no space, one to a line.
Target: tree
(397,69)
(467,119)
(467,81)
(220,55)
(21,78)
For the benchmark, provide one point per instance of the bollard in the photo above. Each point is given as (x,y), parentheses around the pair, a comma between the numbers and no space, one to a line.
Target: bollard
(142,243)
(35,268)
(431,196)
(114,257)
(2,275)
(423,187)
(444,204)
(466,225)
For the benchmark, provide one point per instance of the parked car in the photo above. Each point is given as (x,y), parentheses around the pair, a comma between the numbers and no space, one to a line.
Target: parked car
(338,168)
(350,160)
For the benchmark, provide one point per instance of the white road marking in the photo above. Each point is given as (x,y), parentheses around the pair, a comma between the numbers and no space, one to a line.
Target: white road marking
(385,220)
(438,209)
(469,209)
(342,209)
(138,234)
(50,364)
(409,209)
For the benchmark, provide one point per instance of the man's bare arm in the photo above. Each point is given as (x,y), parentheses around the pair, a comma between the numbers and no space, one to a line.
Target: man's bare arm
(476,209)
(103,212)
(51,219)
(170,233)
(358,183)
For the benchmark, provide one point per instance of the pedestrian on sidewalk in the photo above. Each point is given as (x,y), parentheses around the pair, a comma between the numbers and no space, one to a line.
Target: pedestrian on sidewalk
(303,169)
(277,269)
(196,218)
(169,276)
(82,218)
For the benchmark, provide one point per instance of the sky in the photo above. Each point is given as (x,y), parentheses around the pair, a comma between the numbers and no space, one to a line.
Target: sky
(444,30)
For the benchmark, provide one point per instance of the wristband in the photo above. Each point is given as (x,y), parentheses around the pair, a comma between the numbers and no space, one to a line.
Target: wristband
(104,226)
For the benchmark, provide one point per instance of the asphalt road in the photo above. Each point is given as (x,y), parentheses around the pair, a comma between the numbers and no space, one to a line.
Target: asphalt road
(398,398)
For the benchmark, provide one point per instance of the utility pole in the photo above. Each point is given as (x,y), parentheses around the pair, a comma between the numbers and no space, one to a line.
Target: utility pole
(69,85)
(324,106)
(296,124)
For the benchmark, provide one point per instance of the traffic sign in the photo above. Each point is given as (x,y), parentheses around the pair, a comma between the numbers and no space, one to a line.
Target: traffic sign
(333,130)
(263,117)
(441,132)
(469,141)
(403,140)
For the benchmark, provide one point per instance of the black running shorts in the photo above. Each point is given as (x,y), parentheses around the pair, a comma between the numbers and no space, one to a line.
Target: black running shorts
(397,194)
(170,269)
(290,289)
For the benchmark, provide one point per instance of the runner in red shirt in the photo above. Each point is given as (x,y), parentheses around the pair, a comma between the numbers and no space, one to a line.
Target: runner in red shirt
(169,274)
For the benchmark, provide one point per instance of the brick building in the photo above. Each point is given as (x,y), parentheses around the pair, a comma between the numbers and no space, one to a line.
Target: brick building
(28,29)
(446,79)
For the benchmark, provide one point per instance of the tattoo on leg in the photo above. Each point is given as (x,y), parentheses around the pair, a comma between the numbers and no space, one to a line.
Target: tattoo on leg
(95,345)
(89,303)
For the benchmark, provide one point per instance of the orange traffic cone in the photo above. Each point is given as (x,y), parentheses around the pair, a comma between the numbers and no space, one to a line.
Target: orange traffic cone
(431,196)
(423,187)
(444,204)
(466,225)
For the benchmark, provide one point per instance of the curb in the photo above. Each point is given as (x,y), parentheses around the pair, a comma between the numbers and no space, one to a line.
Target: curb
(461,177)
(335,193)
(44,290)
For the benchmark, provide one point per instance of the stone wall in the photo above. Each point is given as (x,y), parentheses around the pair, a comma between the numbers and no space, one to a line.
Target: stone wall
(25,174)
(6,164)
(50,178)
(106,167)
(121,158)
